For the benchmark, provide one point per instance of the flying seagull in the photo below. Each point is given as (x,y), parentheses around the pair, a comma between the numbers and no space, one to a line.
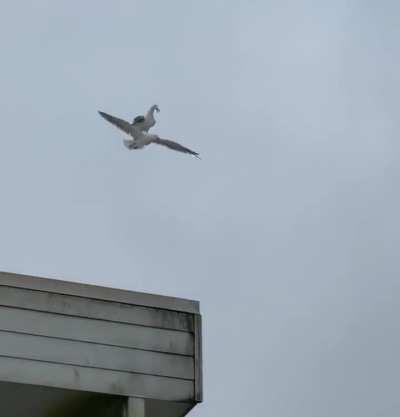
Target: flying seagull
(138,136)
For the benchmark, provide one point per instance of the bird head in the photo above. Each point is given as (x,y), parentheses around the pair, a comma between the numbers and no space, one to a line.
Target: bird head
(156,108)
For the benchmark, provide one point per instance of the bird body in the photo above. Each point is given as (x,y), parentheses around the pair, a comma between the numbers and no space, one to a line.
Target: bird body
(138,140)
(137,131)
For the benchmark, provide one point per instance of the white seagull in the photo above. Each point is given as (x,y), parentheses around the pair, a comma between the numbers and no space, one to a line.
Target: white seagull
(137,131)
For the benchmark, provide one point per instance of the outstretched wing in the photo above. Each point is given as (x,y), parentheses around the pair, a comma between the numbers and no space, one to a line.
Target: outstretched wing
(175,146)
(119,123)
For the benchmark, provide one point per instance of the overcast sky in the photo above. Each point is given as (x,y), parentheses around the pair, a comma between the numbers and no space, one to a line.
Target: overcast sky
(287,230)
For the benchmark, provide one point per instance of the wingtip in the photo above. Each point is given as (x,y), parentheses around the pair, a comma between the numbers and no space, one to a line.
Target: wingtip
(103,114)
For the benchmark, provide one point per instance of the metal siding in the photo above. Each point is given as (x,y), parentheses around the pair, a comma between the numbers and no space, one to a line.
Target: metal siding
(97,331)
(100,293)
(95,380)
(76,336)
(95,355)
(89,308)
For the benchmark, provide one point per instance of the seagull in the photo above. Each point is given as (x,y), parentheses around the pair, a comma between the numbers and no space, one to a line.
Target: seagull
(137,131)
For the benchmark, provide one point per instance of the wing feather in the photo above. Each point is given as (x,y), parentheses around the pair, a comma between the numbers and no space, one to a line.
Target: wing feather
(175,146)
(119,123)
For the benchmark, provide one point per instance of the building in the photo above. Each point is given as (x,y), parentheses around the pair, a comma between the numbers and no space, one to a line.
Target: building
(69,349)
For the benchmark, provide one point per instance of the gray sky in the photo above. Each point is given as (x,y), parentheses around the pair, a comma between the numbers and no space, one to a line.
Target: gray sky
(287,230)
